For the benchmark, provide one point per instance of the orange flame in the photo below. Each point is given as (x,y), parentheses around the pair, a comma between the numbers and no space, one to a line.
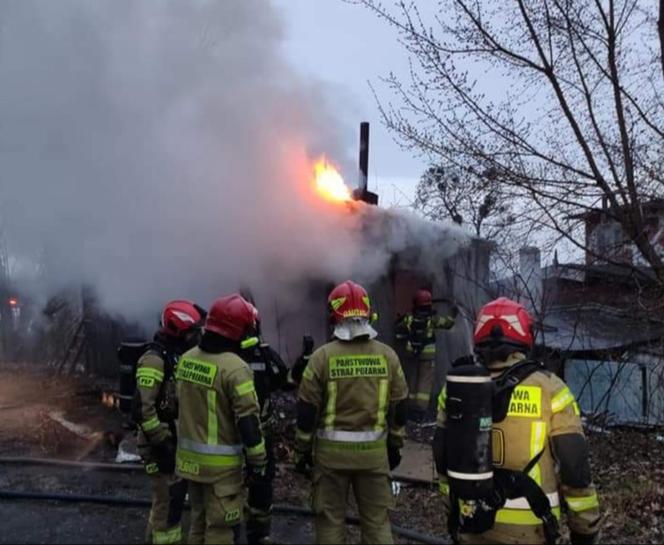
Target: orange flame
(108,399)
(329,183)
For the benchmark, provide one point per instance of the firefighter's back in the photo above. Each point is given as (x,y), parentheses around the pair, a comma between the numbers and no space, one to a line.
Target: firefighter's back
(355,380)
(519,438)
(357,377)
(351,411)
(540,459)
(209,445)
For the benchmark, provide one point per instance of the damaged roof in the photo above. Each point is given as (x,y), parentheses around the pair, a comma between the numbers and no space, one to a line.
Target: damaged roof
(594,327)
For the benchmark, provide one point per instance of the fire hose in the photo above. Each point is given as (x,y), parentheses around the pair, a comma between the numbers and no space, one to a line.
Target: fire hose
(16,460)
(280,509)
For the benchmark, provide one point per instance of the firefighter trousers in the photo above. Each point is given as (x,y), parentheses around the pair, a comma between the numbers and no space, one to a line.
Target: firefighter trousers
(373,496)
(215,516)
(168,494)
(421,376)
(515,535)
(259,501)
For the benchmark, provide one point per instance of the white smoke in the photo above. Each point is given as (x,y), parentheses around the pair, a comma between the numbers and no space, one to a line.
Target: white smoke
(162,149)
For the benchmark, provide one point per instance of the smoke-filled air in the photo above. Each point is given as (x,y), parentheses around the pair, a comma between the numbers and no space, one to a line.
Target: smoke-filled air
(158,150)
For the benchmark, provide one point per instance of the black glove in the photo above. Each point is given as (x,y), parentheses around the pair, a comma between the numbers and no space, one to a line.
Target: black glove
(393,457)
(464,360)
(583,539)
(301,363)
(255,473)
(164,454)
(307,345)
(304,463)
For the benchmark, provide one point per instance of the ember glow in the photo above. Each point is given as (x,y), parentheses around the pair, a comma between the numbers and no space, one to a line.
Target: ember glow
(329,183)
(109,400)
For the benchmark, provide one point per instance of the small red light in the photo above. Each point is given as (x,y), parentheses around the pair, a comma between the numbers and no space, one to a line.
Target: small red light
(13,302)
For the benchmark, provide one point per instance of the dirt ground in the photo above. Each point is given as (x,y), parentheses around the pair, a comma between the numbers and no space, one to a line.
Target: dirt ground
(32,401)
(628,468)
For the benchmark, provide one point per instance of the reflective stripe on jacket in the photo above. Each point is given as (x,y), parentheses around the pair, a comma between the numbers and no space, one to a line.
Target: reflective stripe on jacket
(352,385)
(149,384)
(214,391)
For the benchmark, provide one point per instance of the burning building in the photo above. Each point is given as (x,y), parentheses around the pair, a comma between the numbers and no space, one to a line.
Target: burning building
(399,253)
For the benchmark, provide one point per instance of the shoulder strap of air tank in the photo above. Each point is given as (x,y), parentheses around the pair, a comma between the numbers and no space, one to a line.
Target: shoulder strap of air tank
(511,484)
(519,372)
(168,358)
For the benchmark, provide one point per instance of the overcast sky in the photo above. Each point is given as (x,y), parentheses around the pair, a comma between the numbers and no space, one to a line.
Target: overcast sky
(345,46)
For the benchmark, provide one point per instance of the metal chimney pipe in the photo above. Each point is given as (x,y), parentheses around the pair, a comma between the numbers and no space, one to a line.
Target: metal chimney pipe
(362,192)
(364,157)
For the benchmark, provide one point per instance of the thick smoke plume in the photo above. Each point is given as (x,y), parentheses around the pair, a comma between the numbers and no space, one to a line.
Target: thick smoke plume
(163,149)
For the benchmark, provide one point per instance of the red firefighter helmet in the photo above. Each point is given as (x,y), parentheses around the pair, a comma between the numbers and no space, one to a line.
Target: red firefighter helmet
(422,298)
(179,317)
(349,300)
(504,321)
(232,316)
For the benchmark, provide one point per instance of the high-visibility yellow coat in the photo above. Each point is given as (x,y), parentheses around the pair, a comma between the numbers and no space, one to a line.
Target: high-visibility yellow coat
(419,332)
(543,416)
(152,389)
(352,385)
(214,392)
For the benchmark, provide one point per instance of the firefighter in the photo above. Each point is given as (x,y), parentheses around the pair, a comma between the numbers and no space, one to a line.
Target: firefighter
(300,364)
(351,413)
(270,374)
(537,442)
(218,421)
(418,330)
(154,410)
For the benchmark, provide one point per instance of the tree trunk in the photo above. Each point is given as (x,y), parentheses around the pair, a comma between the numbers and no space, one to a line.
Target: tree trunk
(660,30)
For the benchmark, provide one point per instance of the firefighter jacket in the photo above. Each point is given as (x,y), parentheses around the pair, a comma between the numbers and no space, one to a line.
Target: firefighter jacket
(270,375)
(419,332)
(216,392)
(543,417)
(154,407)
(355,388)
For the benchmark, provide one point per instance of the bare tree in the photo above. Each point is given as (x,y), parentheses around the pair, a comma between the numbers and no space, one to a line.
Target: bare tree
(558,99)
(469,199)
(660,30)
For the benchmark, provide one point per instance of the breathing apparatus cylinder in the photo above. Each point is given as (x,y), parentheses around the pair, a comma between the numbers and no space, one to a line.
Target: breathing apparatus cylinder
(129,353)
(469,450)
